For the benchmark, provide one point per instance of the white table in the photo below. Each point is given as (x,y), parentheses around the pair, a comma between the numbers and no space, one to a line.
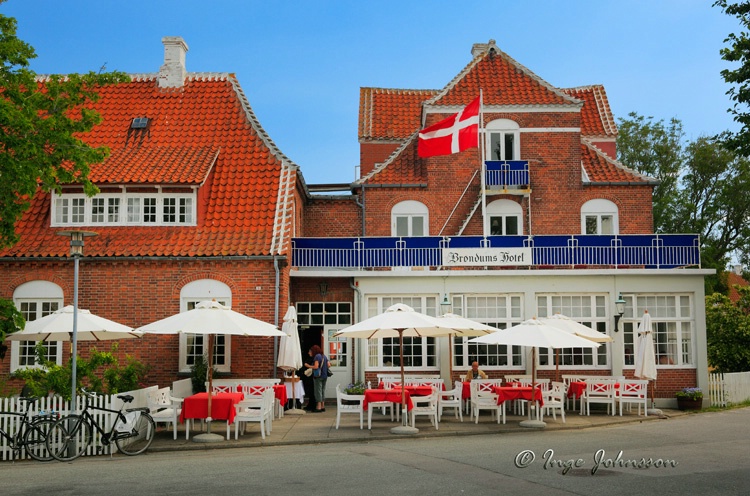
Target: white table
(299,391)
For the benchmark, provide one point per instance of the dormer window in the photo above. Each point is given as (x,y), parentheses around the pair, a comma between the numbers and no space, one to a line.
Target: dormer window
(152,209)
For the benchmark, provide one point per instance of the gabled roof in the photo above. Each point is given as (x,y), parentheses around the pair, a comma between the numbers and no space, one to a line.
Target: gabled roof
(596,116)
(388,114)
(599,169)
(204,133)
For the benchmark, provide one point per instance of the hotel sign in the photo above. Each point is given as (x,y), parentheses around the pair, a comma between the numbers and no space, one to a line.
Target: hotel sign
(478,257)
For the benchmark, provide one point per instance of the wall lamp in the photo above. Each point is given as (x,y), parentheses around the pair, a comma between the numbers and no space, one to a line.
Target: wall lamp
(619,311)
(323,288)
(445,305)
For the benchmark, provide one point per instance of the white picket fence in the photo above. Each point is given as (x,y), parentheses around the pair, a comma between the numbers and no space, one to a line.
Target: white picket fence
(11,423)
(726,389)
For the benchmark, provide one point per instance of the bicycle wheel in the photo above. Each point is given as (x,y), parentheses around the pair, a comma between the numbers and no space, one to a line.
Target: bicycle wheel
(68,438)
(140,437)
(35,439)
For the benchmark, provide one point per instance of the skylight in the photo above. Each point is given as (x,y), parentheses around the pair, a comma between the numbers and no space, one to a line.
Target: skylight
(139,123)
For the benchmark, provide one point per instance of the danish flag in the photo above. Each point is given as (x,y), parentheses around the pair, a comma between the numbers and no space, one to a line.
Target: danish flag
(455,134)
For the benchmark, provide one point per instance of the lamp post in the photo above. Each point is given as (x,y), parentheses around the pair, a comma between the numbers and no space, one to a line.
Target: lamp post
(76,251)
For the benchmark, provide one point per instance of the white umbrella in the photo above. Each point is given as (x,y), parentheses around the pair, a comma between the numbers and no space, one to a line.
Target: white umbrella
(58,326)
(290,354)
(209,318)
(536,334)
(468,328)
(397,321)
(571,326)
(645,355)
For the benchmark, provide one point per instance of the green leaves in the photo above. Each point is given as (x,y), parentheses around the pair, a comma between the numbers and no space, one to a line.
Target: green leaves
(728,331)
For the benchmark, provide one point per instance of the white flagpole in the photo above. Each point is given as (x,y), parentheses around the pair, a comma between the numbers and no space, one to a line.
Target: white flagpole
(481,144)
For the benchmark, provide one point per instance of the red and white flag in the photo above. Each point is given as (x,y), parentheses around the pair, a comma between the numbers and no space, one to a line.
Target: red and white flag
(452,135)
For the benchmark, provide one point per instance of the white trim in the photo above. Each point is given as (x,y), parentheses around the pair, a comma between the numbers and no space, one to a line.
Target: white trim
(38,292)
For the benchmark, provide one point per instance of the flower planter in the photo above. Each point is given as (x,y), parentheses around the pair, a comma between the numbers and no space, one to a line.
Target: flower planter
(689,404)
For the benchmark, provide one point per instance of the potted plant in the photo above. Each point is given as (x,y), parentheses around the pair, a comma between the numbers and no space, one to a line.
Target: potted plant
(690,398)
(357,388)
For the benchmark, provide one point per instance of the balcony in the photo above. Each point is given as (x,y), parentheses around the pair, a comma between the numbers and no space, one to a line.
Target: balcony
(650,251)
(504,175)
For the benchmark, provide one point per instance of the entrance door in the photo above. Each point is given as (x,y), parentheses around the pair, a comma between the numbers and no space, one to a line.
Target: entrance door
(338,350)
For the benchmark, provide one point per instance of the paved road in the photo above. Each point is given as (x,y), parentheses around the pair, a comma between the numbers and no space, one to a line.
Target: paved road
(710,449)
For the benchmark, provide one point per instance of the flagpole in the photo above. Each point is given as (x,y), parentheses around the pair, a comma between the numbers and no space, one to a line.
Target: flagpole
(481,143)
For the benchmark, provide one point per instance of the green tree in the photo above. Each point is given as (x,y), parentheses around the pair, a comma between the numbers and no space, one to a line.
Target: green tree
(728,331)
(40,145)
(738,51)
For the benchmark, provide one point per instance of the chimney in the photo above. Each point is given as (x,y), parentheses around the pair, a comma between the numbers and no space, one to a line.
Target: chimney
(172,73)
(478,49)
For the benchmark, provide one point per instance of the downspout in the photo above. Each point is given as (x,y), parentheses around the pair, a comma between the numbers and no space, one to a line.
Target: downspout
(276,315)
(362,207)
(359,371)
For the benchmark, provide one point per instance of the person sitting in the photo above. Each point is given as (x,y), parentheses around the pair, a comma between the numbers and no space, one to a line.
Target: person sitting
(475,372)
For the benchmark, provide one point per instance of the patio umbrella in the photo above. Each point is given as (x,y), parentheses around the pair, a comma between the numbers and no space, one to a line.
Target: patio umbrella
(397,321)
(569,325)
(290,354)
(59,325)
(535,334)
(645,355)
(209,318)
(468,328)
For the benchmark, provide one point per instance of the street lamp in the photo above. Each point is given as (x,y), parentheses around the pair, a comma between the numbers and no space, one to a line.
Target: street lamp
(76,251)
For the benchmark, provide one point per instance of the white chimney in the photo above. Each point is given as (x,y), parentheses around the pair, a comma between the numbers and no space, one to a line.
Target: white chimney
(172,73)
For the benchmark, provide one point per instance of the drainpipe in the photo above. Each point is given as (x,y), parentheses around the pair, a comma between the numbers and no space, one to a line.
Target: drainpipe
(276,315)
(362,206)
(359,372)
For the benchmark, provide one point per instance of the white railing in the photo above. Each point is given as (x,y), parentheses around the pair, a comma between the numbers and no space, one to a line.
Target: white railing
(10,423)
(729,388)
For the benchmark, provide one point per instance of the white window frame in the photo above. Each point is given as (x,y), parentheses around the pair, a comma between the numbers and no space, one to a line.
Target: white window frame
(427,348)
(501,211)
(497,131)
(191,294)
(408,213)
(590,309)
(673,324)
(46,297)
(599,210)
(497,310)
(119,209)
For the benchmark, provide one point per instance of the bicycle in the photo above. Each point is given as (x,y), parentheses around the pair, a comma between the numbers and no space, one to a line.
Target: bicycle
(132,430)
(31,433)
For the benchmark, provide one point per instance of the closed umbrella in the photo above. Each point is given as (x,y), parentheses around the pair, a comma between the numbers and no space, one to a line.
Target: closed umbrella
(535,334)
(399,321)
(209,318)
(645,355)
(290,354)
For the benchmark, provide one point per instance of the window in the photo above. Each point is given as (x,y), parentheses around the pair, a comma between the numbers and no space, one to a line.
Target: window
(672,322)
(599,217)
(501,311)
(419,353)
(193,346)
(504,218)
(589,310)
(503,141)
(36,299)
(409,218)
(107,209)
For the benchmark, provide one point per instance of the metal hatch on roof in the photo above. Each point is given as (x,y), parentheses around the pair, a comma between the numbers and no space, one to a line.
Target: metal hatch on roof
(139,123)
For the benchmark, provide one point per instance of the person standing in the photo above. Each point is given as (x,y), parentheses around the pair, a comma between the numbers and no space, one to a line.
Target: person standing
(307,382)
(320,377)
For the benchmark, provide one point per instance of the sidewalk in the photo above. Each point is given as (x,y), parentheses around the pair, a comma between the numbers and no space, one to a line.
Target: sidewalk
(315,428)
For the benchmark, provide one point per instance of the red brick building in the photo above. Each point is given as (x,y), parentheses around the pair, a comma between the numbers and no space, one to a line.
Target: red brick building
(197,202)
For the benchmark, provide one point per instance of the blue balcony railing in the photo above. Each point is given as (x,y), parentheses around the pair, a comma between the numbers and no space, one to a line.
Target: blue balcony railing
(506,173)
(652,251)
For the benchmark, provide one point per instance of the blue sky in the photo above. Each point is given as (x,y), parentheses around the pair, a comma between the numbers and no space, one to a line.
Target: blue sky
(301,64)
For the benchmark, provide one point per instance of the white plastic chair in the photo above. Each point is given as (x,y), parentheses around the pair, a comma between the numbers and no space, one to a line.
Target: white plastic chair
(353,405)
(165,409)
(634,391)
(554,400)
(599,391)
(426,405)
(254,411)
(451,399)
(394,408)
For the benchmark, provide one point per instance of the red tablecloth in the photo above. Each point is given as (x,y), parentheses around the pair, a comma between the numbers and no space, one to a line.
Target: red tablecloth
(576,389)
(392,395)
(506,393)
(466,391)
(279,391)
(222,406)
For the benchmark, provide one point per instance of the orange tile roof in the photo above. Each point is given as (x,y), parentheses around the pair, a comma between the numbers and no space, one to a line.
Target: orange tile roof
(390,113)
(596,116)
(204,131)
(734,279)
(599,168)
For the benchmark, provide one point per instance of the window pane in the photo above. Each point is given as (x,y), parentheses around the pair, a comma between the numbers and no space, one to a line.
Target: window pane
(608,225)
(496,226)
(591,227)
(417,226)
(509,138)
(496,146)
(511,226)
(402,226)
